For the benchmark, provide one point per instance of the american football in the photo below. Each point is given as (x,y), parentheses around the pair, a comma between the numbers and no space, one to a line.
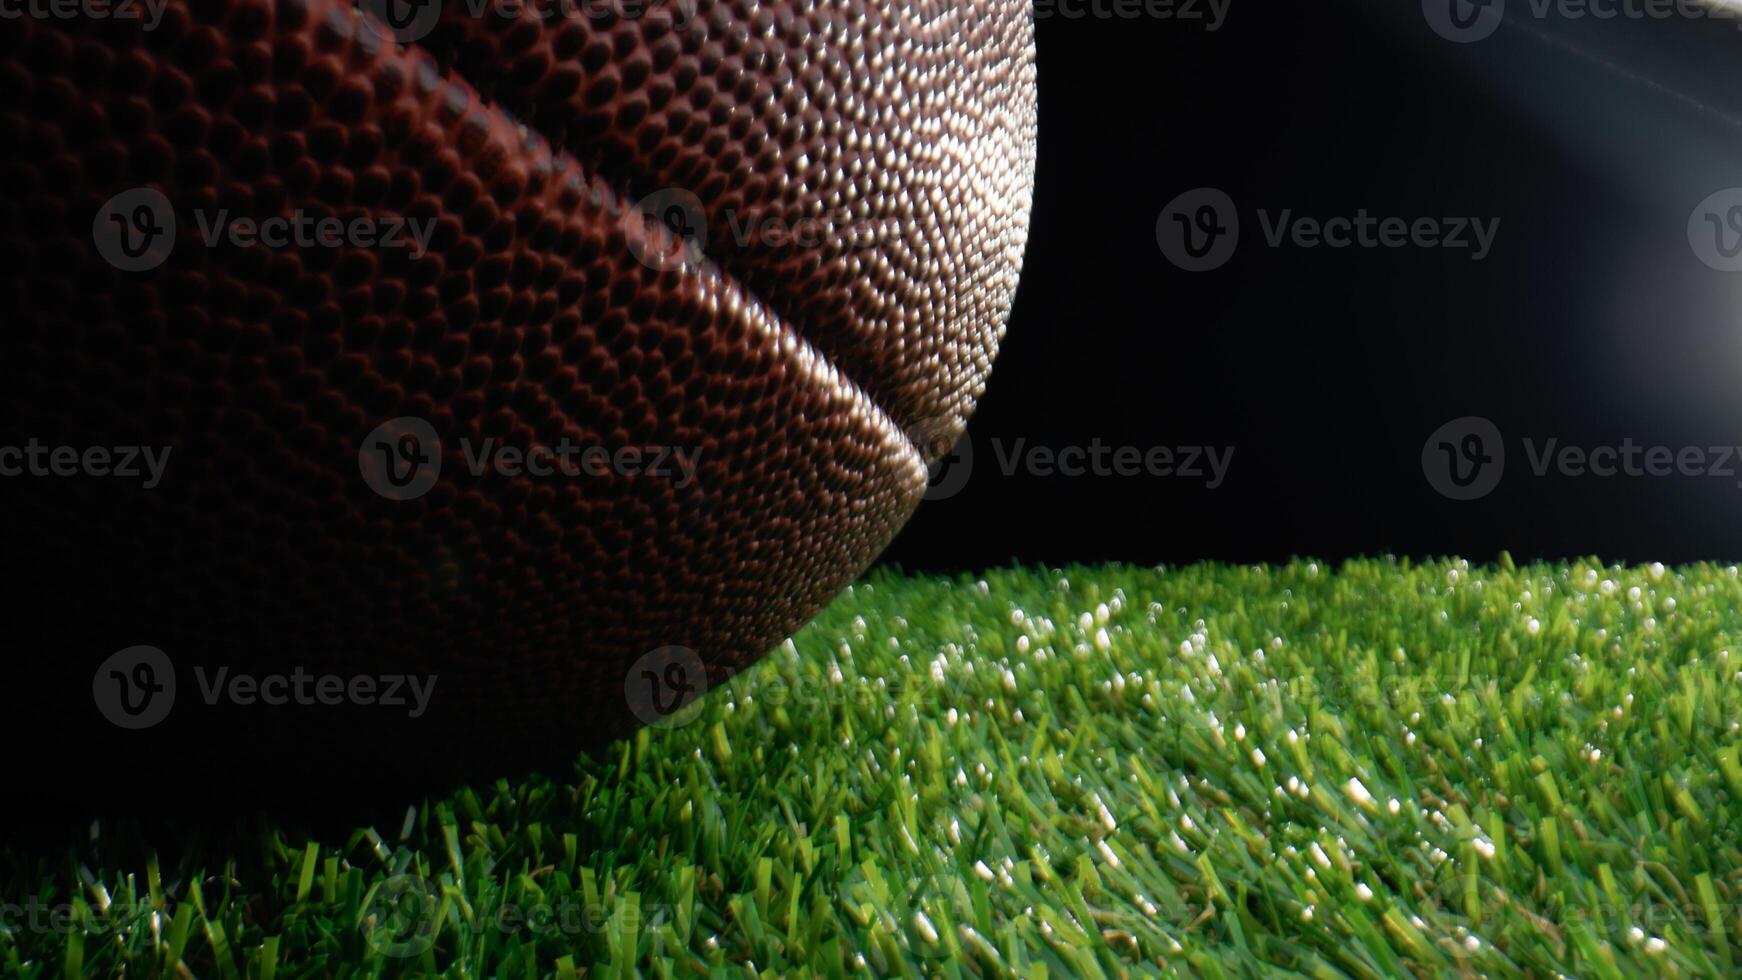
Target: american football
(474,381)
(870,488)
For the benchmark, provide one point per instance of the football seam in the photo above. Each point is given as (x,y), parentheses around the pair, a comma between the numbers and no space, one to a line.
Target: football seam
(819,365)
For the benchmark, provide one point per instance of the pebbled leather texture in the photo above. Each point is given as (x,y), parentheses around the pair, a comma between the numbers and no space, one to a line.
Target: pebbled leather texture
(853,181)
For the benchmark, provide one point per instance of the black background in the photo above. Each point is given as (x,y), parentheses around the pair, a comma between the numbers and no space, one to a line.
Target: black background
(1592,320)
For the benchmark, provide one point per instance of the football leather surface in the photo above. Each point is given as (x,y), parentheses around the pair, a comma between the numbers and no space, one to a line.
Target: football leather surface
(759,255)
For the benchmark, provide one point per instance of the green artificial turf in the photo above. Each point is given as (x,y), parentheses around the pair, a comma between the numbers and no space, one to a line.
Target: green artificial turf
(1376,770)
